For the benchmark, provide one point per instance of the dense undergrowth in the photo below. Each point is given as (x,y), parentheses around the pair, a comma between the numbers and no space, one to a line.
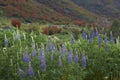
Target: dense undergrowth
(35,56)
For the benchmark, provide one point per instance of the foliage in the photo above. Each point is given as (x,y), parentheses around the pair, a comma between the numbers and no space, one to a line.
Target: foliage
(34,56)
(51,30)
(80,23)
(16,23)
(115,28)
(57,12)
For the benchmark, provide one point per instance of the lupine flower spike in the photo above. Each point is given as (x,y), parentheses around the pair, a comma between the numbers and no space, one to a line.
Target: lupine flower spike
(33,52)
(76,59)
(26,57)
(43,63)
(30,71)
(63,50)
(105,40)
(84,35)
(111,38)
(42,58)
(90,39)
(33,49)
(83,60)
(91,34)
(72,39)
(49,46)
(70,56)
(20,71)
(103,30)
(99,41)
(18,35)
(97,33)
(42,50)
(5,41)
(60,61)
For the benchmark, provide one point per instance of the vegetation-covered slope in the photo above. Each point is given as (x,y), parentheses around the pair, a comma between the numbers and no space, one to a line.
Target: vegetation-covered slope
(52,11)
(61,11)
(109,8)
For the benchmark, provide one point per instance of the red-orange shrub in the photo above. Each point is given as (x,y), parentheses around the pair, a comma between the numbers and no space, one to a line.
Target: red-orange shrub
(51,30)
(80,23)
(16,23)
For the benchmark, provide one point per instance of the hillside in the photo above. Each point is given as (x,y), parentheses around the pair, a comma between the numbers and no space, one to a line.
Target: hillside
(30,10)
(109,8)
(51,11)
(61,11)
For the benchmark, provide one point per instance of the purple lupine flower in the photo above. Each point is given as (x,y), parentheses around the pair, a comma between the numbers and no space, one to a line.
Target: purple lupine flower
(49,46)
(70,57)
(33,52)
(103,30)
(92,34)
(41,50)
(76,58)
(26,57)
(30,71)
(63,50)
(90,39)
(19,71)
(6,41)
(111,38)
(42,58)
(18,36)
(105,40)
(99,40)
(83,60)
(96,32)
(84,35)
(72,40)
(55,47)
(43,62)
(60,61)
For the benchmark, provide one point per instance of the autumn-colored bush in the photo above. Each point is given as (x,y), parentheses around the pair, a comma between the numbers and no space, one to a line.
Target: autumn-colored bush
(51,30)
(80,22)
(16,23)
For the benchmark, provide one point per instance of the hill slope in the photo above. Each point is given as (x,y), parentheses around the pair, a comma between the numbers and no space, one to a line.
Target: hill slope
(63,11)
(59,11)
(110,8)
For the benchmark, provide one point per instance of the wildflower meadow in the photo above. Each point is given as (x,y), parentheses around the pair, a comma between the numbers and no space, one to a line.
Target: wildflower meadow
(36,56)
